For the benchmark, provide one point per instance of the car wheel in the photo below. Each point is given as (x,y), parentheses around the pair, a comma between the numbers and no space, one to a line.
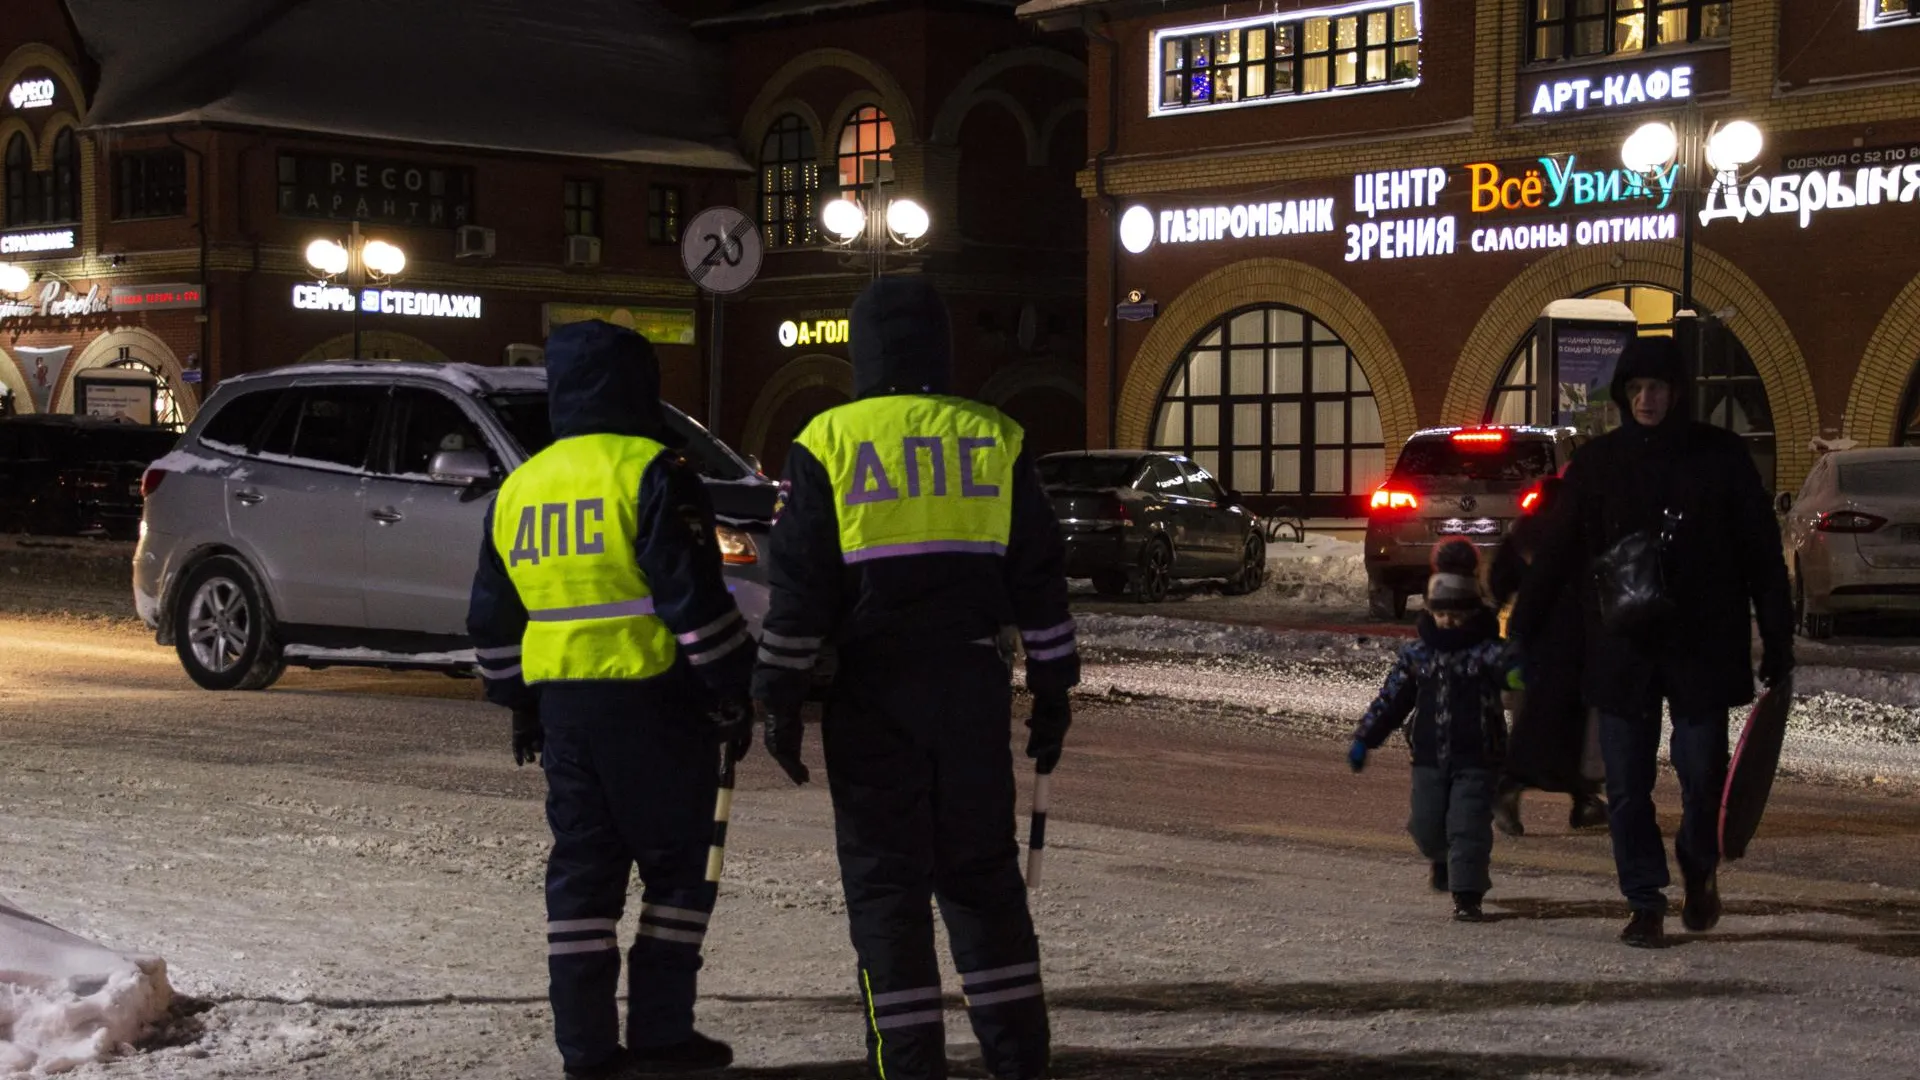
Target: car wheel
(1253,567)
(1110,583)
(1155,573)
(222,630)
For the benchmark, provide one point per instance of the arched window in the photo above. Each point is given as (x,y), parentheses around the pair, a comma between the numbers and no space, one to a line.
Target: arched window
(1908,431)
(62,196)
(1727,389)
(866,148)
(789,177)
(1273,403)
(166,408)
(19,179)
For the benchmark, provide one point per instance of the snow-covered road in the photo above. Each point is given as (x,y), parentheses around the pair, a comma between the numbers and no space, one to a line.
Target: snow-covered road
(343,876)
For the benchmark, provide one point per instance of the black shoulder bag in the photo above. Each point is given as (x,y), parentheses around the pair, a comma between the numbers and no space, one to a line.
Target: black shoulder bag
(1630,578)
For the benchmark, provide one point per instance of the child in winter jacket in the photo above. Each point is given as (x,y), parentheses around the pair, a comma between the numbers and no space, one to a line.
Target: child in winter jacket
(1449,680)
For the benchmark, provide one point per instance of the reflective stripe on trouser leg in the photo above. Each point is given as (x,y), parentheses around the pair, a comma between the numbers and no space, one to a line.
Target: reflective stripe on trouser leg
(586,887)
(664,962)
(906,1030)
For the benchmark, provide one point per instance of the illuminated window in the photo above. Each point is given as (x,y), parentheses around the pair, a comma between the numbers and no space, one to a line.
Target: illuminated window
(1300,54)
(1881,12)
(866,148)
(1564,29)
(789,179)
(1271,401)
(1727,389)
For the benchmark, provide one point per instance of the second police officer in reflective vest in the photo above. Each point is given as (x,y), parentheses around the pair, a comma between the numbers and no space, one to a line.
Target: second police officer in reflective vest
(912,529)
(600,617)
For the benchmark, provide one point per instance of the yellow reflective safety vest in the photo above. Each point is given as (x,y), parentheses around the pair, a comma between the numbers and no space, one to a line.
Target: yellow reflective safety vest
(564,525)
(917,474)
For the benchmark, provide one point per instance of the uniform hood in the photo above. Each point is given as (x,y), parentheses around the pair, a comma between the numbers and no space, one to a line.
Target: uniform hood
(1651,358)
(603,380)
(901,339)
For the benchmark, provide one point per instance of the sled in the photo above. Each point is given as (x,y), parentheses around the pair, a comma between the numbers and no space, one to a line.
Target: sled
(1750,776)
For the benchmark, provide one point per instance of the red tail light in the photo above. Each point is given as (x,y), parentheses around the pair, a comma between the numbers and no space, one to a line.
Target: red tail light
(1848,521)
(150,481)
(1480,439)
(1115,509)
(1385,500)
(1531,500)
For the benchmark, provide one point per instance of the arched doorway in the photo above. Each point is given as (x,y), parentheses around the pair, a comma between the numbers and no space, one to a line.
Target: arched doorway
(1907,433)
(136,349)
(1275,404)
(1728,390)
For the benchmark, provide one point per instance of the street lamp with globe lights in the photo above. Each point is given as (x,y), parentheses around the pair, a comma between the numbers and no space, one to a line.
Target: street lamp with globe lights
(361,262)
(14,279)
(1719,152)
(899,223)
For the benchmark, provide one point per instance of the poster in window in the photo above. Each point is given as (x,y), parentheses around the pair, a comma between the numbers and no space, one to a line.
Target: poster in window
(118,397)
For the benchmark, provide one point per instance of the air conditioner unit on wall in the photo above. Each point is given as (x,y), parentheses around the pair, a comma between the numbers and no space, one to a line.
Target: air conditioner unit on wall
(583,251)
(526,356)
(473,242)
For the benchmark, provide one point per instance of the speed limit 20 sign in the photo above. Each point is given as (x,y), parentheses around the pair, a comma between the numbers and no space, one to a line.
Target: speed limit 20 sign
(721,250)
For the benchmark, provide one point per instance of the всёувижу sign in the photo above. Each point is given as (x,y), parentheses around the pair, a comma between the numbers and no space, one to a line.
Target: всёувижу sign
(382,191)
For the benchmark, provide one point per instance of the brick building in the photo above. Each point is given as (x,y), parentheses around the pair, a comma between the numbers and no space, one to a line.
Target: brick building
(164,175)
(1342,221)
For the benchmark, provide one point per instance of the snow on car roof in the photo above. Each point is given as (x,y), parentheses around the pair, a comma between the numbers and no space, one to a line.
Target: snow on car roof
(469,378)
(1518,429)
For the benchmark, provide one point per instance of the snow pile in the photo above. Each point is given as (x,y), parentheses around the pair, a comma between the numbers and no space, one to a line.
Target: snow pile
(1845,719)
(1869,684)
(65,1001)
(1319,572)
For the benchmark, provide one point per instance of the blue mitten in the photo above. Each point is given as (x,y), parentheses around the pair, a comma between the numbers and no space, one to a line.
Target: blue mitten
(1357,755)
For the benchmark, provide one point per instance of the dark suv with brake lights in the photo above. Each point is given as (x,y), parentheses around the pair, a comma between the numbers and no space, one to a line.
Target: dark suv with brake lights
(1472,482)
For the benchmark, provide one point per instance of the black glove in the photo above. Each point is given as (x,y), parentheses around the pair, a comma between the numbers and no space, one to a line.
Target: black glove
(733,720)
(783,734)
(1776,663)
(1047,729)
(528,736)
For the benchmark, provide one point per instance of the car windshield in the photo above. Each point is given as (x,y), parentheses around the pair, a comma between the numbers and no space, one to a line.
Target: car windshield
(1517,460)
(1881,478)
(525,418)
(1086,471)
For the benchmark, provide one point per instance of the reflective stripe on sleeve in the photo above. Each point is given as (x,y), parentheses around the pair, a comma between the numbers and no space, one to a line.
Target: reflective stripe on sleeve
(504,652)
(1041,637)
(784,642)
(693,637)
(710,654)
(500,673)
(796,663)
(1053,653)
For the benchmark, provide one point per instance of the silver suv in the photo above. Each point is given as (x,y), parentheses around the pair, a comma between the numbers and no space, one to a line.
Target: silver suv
(330,514)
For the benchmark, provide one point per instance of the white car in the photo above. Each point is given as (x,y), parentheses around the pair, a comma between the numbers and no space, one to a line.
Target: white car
(1853,537)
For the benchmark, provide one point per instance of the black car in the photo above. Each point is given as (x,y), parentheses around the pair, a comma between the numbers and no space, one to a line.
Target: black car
(1141,518)
(66,475)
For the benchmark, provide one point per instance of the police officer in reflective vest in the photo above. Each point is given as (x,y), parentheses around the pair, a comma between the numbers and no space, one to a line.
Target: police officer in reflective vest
(600,617)
(912,530)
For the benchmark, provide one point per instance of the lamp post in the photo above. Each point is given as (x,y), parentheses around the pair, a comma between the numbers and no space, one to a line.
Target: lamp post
(899,223)
(360,261)
(1723,149)
(14,279)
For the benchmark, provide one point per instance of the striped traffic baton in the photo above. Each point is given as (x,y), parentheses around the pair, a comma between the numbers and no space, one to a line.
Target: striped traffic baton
(722,813)
(1037,830)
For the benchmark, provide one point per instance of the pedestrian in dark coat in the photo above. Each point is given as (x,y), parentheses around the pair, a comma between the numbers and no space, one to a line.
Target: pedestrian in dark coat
(1550,726)
(1449,681)
(1723,569)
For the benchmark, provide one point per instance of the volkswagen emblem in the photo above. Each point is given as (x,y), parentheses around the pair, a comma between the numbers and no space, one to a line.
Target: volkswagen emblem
(1468,504)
